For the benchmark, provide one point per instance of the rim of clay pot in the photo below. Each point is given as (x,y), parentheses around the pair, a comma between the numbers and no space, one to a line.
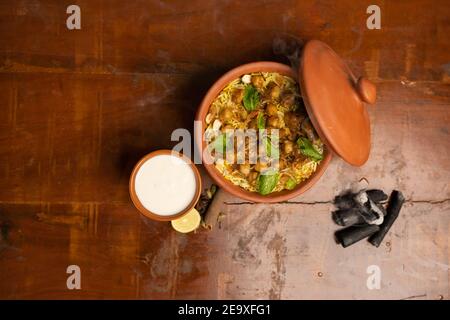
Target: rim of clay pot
(137,203)
(260,66)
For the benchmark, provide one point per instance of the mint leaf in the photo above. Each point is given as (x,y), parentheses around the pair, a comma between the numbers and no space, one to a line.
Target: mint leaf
(290,184)
(251,98)
(307,149)
(272,150)
(267,182)
(261,121)
(220,143)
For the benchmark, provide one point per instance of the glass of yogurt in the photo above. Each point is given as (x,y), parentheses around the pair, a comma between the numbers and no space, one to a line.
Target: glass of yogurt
(165,185)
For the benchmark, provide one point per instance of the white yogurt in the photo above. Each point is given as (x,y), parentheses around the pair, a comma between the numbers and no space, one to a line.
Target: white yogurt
(165,185)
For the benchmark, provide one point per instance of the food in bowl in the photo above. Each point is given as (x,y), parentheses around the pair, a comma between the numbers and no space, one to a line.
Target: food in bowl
(165,185)
(288,148)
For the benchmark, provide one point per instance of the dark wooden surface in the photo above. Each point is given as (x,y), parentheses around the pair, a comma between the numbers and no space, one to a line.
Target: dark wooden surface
(79,108)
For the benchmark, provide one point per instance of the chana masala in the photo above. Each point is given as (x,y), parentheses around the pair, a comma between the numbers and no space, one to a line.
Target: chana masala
(289,149)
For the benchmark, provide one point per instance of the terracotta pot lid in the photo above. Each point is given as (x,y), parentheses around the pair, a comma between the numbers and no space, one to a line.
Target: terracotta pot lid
(334,100)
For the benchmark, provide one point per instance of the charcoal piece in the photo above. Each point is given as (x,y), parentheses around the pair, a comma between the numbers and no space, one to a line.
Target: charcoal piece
(377,195)
(371,212)
(347,217)
(379,210)
(364,203)
(353,234)
(395,204)
(345,201)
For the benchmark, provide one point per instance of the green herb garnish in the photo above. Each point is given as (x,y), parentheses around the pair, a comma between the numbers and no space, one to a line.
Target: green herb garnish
(220,143)
(272,150)
(261,121)
(251,98)
(290,184)
(267,182)
(307,149)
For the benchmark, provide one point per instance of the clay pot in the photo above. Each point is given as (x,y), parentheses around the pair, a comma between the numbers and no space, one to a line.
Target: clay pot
(153,215)
(263,66)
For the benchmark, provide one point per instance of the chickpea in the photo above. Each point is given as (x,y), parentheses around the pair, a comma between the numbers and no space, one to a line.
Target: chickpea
(274,92)
(243,114)
(282,164)
(258,81)
(288,147)
(273,122)
(225,115)
(285,133)
(260,166)
(253,176)
(244,169)
(271,109)
(237,96)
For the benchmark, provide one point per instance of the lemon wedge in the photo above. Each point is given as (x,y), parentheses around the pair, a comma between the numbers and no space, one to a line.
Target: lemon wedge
(187,223)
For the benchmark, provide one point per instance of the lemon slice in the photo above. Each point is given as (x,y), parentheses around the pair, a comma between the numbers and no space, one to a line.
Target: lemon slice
(187,223)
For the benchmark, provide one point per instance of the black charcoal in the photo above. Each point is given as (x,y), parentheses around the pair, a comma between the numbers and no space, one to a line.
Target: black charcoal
(347,217)
(377,195)
(370,211)
(395,204)
(353,234)
(345,201)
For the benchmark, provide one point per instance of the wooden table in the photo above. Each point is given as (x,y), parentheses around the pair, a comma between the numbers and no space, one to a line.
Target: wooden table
(80,107)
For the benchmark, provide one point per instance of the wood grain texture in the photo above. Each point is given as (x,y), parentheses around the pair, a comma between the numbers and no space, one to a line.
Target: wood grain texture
(79,108)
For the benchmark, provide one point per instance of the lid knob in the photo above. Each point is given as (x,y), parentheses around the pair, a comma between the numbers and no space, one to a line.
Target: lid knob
(367,90)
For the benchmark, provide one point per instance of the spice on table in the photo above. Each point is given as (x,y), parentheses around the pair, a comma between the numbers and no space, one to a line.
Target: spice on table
(214,213)
(205,200)
(395,204)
